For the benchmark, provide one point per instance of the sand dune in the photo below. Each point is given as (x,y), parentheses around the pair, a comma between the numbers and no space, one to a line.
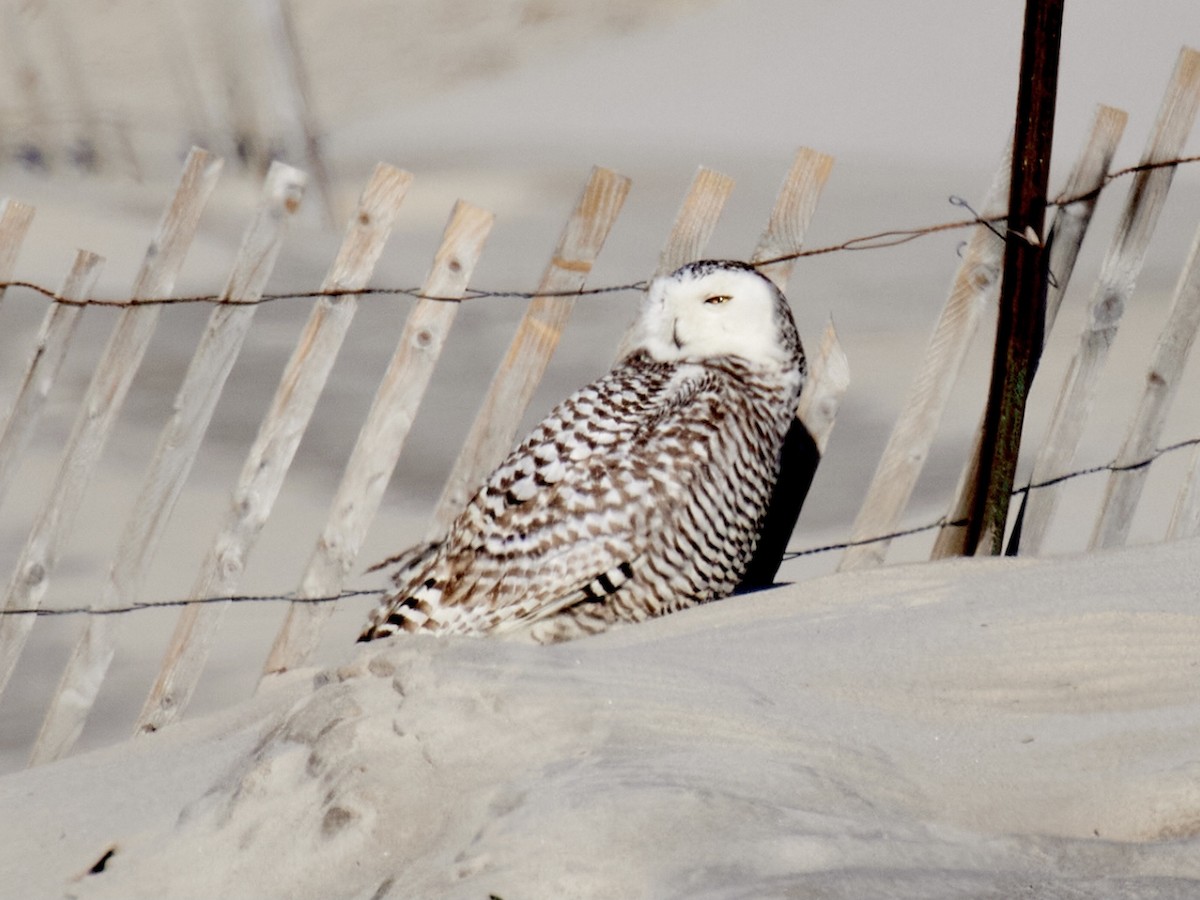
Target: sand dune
(978,728)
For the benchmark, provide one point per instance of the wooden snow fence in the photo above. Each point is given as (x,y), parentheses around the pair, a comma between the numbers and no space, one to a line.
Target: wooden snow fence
(252,98)
(382,435)
(971,301)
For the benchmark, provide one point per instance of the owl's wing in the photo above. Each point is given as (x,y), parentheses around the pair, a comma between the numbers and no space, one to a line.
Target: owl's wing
(566,517)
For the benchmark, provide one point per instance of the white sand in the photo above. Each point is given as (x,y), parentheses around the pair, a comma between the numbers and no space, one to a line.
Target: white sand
(972,729)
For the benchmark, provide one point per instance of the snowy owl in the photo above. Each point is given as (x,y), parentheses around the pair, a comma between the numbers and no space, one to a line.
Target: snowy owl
(639,495)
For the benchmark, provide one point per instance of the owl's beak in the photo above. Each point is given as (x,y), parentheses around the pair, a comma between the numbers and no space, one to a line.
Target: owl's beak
(675,335)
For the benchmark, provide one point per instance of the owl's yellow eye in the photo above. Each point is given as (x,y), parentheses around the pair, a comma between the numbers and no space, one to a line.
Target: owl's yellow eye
(717,299)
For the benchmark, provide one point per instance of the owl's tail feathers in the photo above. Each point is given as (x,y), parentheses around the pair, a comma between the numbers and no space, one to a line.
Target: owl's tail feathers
(418,593)
(410,610)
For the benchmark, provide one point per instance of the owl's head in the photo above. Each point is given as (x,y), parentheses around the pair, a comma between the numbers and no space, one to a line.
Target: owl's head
(714,308)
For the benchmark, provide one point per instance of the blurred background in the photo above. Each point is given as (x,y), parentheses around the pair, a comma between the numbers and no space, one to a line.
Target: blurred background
(508,104)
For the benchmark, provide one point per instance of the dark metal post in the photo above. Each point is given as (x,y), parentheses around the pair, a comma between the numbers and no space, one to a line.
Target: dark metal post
(1019,329)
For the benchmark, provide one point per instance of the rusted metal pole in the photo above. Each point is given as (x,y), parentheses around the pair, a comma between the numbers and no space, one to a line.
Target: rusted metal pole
(1021,322)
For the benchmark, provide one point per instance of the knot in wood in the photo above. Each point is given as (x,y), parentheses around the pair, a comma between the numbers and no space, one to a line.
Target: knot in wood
(983,277)
(1109,310)
(35,574)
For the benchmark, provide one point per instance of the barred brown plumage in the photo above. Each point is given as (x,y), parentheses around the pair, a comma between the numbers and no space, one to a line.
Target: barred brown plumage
(640,494)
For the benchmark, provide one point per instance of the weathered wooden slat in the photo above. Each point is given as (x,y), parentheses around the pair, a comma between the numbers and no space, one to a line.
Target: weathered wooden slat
(691,231)
(275,446)
(172,461)
(1114,287)
(793,211)
(696,219)
(382,437)
(829,375)
(1067,232)
(15,219)
(1072,220)
(1124,487)
(54,338)
(495,426)
(102,402)
(975,289)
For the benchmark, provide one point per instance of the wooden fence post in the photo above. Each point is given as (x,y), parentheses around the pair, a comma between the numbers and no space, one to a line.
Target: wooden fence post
(1021,320)
(1067,232)
(495,426)
(381,439)
(275,446)
(1125,483)
(54,338)
(102,402)
(177,447)
(1114,287)
(975,288)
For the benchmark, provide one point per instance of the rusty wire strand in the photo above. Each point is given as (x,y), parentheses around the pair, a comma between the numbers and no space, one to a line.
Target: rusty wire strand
(877,241)
(938,523)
